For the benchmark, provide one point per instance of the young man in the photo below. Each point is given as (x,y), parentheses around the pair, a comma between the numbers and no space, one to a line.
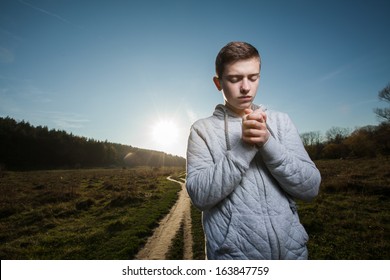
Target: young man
(245,167)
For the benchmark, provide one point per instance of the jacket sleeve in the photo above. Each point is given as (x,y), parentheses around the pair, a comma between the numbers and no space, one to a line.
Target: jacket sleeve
(208,180)
(289,163)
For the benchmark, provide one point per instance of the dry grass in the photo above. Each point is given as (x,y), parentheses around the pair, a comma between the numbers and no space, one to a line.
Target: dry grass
(81,214)
(350,219)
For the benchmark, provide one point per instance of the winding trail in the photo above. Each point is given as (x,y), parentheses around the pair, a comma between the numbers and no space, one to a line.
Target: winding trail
(158,244)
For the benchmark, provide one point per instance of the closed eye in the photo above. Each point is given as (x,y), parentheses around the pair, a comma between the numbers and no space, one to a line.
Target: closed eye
(238,78)
(254,78)
(234,79)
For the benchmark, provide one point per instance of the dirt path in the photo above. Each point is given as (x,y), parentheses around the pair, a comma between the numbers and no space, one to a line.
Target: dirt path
(158,244)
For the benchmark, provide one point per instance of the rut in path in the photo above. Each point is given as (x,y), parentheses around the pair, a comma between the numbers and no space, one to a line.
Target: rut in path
(158,244)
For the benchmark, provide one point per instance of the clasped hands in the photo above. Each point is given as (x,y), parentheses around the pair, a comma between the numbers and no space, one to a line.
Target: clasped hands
(254,127)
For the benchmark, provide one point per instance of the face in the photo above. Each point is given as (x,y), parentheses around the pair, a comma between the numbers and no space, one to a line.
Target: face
(239,84)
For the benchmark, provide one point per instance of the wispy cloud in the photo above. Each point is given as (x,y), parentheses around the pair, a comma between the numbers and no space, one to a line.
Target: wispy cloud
(19,97)
(332,74)
(24,91)
(27,106)
(62,120)
(11,35)
(69,120)
(353,65)
(49,13)
(45,11)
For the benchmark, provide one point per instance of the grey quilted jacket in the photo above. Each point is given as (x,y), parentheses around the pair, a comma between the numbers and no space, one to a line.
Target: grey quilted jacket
(247,193)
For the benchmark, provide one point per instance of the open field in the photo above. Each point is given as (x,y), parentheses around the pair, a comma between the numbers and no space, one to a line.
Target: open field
(350,219)
(82,214)
(110,213)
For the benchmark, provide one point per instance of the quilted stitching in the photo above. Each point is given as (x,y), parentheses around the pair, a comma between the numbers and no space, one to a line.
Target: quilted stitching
(246,213)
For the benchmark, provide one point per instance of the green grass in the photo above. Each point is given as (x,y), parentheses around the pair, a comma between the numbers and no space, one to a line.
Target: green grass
(198,247)
(350,218)
(81,214)
(176,249)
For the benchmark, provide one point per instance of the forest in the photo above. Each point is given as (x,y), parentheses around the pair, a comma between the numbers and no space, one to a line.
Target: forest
(25,147)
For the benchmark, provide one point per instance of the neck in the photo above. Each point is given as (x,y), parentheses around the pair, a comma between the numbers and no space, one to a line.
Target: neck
(238,112)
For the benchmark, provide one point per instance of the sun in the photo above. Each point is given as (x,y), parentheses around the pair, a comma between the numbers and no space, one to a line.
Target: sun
(165,133)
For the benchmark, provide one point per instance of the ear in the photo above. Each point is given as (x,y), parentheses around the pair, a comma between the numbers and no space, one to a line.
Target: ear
(217,83)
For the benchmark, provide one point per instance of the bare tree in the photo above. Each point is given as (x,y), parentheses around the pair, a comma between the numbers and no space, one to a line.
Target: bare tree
(311,138)
(337,134)
(384,113)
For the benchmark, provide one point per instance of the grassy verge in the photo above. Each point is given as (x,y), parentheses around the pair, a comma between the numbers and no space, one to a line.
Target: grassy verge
(198,247)
(176,250)
(81,214)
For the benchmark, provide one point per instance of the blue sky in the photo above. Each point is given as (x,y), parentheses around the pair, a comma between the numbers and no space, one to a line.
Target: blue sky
(111,70)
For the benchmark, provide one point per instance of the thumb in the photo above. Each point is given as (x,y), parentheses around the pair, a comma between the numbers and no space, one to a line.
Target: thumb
(248,111)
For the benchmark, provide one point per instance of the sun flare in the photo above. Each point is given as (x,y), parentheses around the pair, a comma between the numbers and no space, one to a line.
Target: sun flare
(165,133)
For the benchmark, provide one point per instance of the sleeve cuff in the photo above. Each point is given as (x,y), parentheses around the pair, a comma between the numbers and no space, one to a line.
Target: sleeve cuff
(272,151)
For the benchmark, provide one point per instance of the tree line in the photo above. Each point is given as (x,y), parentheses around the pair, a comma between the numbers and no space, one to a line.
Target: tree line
(368,141)
(338,142)
(25,147)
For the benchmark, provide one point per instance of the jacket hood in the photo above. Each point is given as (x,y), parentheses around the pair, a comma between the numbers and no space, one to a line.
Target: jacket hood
(223,112)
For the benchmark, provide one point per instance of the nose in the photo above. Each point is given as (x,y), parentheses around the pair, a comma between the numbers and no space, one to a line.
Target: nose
(245,86)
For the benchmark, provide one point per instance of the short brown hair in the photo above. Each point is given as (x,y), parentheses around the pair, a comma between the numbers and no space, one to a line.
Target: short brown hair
(232,52)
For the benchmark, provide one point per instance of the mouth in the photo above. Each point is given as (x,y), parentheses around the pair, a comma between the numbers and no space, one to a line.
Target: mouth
(245,98)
